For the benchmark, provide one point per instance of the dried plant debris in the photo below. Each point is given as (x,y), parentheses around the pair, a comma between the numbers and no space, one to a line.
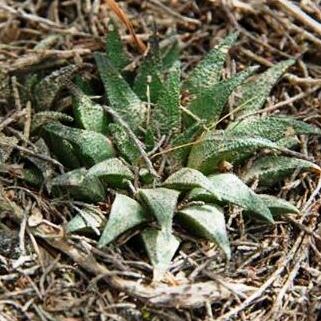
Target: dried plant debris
(187,184)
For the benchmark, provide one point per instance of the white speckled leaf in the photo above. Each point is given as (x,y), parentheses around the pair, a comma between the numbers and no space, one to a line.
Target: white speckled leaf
(188,178)
(208,71)
(167,114)
(216,147)
(161,248)
(272,169)
(232,190)
(278,205)
(121,97)
(45,117)
(255,92)
(125,214)
(206,221)
(79,186)
(90,146)
(115,50)
(273,128)
(112,172)
(7,144)
(87,220)
(89,115)
(124,144)
(209,103)
(162,204)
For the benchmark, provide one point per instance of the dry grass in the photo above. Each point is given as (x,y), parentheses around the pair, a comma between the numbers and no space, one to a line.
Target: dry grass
(45,275)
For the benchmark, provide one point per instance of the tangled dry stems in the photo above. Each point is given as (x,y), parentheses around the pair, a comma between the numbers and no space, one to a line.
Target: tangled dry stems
(276,267)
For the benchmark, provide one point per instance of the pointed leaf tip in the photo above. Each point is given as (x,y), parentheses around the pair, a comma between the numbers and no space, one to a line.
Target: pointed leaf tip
(161,248)
(232,190)
(188,178)
(162,204)
(125,214)
(207,221)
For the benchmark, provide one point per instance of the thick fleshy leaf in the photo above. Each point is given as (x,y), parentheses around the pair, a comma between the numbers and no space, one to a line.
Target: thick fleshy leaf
(278,205)
(79,185)
(121,97)
(161,202)
(208,71)
(87,220)
(181,144)
(188,178)
(288,142)
(115,49)
(170,55)
(149,75)
(167,114)
(124,143)
(206,221)
(45,117)
(32,175)
(90,147)
(255,92)
(272,169)
(125,214)
(209,103)
(63,151)
(89,115)
(49,87)
(273,128)
(161,248)
(113,172)
(232,190)
(217,147)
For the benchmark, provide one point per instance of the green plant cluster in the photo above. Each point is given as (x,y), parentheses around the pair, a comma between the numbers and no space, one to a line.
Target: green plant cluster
(156,122)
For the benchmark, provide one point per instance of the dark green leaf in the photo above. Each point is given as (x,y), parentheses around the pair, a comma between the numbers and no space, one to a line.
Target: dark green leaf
(121,97)
(167,115)
(209,103)
(90,147)
(64,151)
(115,50)
(89,115)
(181,145)
(170,55)
(278,205)
(149,75)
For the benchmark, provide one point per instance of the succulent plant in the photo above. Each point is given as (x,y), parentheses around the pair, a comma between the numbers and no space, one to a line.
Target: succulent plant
(160,147)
